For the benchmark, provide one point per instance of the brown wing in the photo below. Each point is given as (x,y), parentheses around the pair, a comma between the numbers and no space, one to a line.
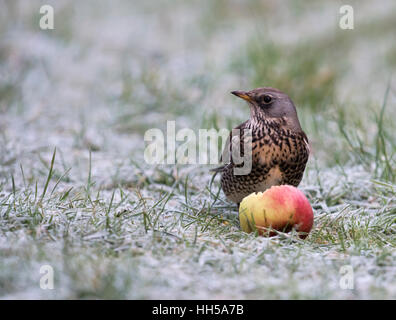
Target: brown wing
(307,144)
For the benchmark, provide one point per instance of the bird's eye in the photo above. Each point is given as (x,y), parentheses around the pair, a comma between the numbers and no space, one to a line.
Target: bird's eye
(267,99)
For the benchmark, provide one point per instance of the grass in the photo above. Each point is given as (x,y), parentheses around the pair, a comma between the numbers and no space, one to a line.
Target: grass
(76,194)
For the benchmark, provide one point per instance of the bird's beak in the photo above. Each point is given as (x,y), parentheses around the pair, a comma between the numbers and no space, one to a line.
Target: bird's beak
(242,94)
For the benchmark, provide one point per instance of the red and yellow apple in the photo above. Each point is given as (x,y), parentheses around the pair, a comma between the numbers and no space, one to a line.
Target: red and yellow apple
(280,208)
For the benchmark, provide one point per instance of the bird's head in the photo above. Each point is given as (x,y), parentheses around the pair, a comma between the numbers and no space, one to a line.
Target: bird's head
(270,104)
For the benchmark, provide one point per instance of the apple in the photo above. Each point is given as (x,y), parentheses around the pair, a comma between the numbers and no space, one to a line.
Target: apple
(281,208)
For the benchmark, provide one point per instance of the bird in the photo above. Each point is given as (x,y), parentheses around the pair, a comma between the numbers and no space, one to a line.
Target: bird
(279,147)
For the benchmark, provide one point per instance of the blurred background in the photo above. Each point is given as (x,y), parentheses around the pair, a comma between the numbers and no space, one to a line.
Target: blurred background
(110,70)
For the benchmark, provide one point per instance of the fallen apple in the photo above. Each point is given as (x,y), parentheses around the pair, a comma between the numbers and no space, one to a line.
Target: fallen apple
(282,208)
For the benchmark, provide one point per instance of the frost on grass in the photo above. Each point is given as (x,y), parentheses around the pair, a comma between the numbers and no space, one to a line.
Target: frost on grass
(112,226)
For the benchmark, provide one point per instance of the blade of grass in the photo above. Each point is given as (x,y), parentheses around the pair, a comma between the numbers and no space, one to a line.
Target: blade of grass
(50,172)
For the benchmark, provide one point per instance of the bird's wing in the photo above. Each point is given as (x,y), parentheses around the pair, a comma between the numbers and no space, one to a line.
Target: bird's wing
(307,144)
(232,141)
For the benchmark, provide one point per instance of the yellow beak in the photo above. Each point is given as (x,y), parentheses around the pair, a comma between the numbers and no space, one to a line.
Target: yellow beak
(242,94)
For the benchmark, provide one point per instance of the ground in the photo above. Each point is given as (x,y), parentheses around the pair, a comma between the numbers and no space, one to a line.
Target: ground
(76,193)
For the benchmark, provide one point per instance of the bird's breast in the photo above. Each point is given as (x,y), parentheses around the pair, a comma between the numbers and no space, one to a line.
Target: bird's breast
(274,177)
(265,154)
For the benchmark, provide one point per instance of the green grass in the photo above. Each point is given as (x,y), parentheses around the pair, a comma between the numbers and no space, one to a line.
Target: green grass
(76,194)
